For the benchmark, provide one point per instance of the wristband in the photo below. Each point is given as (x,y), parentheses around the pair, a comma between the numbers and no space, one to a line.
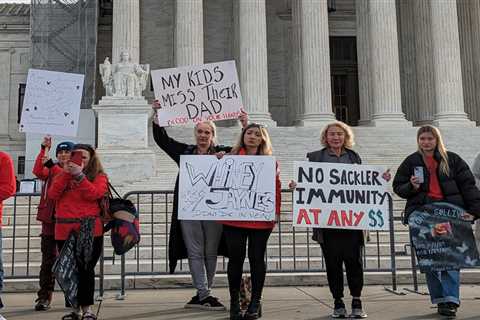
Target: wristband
(79,177)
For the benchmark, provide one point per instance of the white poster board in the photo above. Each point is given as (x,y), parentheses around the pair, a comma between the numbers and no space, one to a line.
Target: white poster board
(197,93)
(52,103)
(232,188)
(340,196)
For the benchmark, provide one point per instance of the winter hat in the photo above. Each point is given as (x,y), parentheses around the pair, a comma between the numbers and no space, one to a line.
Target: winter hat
(66,145)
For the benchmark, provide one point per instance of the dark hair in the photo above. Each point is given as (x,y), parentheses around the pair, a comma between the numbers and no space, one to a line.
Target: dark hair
(94,166)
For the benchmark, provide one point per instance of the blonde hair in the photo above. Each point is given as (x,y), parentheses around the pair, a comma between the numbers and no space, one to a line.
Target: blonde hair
(444,168)
(265,147)
(349,136)
(212,126)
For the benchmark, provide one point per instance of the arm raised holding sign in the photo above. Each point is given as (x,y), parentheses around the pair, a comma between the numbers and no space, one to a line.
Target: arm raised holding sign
(254,140)
(193,238)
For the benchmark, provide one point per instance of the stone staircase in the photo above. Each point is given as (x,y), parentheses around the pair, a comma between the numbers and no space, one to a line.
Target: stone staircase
(289,250)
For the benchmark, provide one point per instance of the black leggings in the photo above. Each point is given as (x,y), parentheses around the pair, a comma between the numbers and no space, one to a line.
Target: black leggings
(86,285)
(343,247)
(236,239)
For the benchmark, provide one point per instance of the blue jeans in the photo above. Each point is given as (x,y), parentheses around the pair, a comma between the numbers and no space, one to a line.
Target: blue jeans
(444,286)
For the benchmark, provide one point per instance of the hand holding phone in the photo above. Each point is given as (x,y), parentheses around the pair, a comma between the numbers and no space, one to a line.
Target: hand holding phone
(418,173)
(76,157)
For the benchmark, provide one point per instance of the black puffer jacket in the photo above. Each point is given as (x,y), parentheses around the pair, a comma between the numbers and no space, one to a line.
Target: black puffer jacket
(176,245)
(458,188)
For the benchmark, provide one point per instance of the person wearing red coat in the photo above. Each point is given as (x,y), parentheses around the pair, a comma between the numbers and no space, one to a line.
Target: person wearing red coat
(77,192)
(7,189)
(254,140)
(45,169)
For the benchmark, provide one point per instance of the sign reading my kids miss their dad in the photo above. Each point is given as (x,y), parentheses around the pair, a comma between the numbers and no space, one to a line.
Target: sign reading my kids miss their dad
(341,196)
(197,93)
(232,188)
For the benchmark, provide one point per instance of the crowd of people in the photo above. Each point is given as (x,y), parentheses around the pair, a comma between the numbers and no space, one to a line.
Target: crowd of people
(70,203)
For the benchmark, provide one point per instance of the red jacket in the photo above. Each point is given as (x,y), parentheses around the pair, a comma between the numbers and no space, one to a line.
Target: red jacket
(261,224)
(45,174)
(77,200)
(7,179)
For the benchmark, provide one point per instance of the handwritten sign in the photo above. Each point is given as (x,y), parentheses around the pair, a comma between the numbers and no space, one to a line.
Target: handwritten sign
(52,103)
(442,239)
(65,270)
(342,196)
(233,188)
(197,93)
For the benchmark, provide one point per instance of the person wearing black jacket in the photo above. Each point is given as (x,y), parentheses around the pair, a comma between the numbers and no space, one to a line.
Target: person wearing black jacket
(341,246)
(447,178)
(193,239)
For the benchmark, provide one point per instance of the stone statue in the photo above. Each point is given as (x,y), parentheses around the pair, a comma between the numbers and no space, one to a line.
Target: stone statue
(124,79)
(106,73)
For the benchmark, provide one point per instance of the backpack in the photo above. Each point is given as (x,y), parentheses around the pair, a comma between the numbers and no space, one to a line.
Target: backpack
(123,223)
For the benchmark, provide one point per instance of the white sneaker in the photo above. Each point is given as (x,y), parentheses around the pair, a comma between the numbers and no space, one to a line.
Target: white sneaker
(2,318)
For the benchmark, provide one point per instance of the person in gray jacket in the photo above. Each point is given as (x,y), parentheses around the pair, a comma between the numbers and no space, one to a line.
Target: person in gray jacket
(476,173)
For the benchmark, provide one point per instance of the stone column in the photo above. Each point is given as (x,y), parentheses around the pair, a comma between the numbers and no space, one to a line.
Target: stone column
(447,69)
(363,51)
(384,64)
(252,58)
(126,29)
(423,62)
(468,34)
(188,32)
(311,18)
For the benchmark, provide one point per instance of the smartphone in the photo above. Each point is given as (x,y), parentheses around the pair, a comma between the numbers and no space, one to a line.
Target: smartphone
(76,157)
(418,172)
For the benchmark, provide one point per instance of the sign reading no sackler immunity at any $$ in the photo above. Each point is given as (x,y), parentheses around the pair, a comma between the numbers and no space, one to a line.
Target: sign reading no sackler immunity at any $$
(197,93)
(232,188)
(340,196)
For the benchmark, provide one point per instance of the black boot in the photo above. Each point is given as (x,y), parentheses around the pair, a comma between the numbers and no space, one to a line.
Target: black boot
(235,311)
(254,310)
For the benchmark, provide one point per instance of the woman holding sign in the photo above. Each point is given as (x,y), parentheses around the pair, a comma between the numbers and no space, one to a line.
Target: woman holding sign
(77,191)
(45,169)
(434,174)
(254,140)
(195,239)
(341,246)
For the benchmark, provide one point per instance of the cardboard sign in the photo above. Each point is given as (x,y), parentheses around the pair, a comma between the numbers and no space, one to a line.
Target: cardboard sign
(65,270)
(232,188)
(341,196)
(442,239)
(197,93)
(52,103)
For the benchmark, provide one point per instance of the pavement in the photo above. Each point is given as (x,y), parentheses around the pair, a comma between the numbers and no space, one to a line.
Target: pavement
(312,303)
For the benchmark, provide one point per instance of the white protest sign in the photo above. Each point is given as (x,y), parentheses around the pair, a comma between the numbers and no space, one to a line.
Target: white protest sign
(343,196)
(197,93)
(232,188)
(52,103)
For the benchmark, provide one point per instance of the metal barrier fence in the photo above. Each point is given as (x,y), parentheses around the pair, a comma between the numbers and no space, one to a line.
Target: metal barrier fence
(289,249)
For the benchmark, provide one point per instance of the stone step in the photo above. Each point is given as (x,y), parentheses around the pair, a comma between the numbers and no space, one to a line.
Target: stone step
(160,252)
(21,269)
(297,238)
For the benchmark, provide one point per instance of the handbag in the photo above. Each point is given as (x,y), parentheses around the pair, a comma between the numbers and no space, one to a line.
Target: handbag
(122,220)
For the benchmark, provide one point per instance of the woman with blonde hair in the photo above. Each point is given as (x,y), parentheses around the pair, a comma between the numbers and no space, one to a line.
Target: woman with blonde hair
(254,140)
(197,240)
(447,178)
(77,191)
(341,246)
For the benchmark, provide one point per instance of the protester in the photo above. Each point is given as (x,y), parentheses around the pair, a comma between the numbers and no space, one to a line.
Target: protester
(45,169)
(77,191)
(254,140)
(7,189)
(447,178)
(194,239)
(341,246)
